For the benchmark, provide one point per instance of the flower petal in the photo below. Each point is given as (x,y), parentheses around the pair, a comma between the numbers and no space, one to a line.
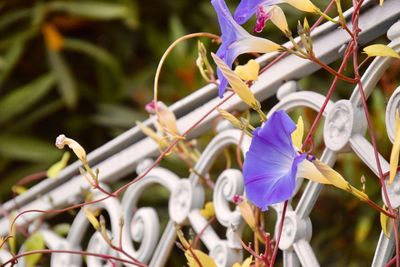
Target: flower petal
(270,166)
(266,190)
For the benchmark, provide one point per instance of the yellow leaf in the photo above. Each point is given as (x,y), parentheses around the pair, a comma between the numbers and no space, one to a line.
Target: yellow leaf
(337,180)
(303,5)
(240,88)
(307,169)
(54,40)
(208,210)
(297,135)
(247,213)
(18,189)
(34,242)
(228,116)
(381,2)
(381,51)
(181,237)
(386,223)
(246,262)
(204,259)
(278,18)
(57,167)
(248,72)
(12,243)
(91,216)
(394,155)
(162,143)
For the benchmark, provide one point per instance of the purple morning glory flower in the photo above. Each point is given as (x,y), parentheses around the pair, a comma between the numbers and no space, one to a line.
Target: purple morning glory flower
(271,164)
(236,41)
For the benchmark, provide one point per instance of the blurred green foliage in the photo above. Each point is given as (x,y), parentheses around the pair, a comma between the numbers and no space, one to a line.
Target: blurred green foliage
(95,83)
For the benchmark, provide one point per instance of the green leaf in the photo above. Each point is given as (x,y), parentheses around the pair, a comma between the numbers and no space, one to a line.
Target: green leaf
(66,81)
(91,9)
(13,16)
(9,60)
(28,149)
(96,52)
(21,99)
(19,37)
(380,50)
(116,115)
(34,242)
(37,114)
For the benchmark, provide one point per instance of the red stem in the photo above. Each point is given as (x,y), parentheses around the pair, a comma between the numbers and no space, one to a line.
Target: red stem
(279,234)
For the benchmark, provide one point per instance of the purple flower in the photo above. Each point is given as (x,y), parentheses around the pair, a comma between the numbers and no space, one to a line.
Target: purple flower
(271,164)
(236,41)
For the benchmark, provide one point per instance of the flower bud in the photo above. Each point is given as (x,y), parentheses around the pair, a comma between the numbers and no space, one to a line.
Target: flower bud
(62,140)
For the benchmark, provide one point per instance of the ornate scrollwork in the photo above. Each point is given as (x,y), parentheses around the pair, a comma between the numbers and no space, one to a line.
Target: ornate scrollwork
(142,224)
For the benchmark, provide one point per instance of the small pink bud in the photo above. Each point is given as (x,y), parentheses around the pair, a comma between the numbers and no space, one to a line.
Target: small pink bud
(237,199)
(151,107)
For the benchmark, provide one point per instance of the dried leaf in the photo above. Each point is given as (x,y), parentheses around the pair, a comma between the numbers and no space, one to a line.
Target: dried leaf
(381,51)
(249,71)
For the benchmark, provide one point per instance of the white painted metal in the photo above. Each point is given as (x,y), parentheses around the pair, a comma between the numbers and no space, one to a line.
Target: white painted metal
(344,131)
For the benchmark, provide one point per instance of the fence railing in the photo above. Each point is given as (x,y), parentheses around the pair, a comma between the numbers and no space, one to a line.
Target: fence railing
(132,153)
